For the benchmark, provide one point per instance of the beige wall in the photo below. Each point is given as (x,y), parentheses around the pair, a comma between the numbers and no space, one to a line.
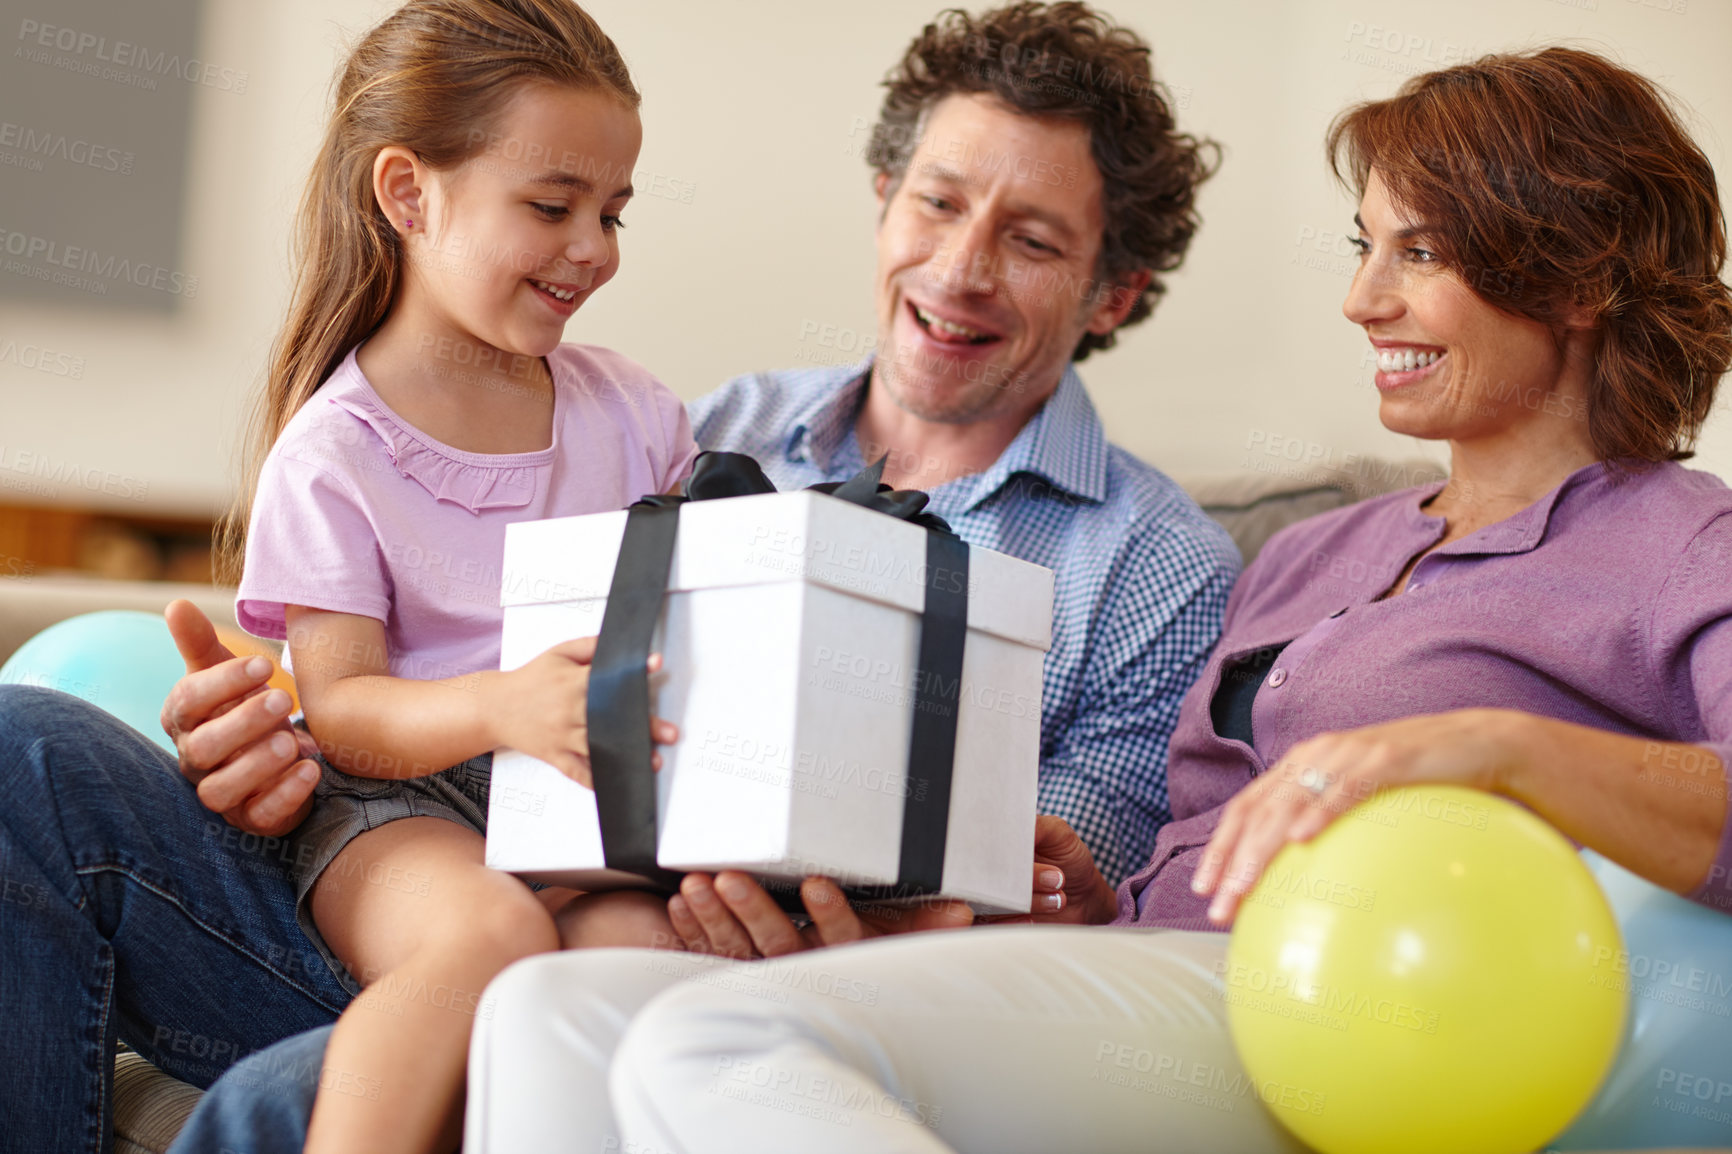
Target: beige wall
(755,107)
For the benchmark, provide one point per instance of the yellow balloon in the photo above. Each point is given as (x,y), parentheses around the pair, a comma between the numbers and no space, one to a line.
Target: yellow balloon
(1435,973)
(244,645)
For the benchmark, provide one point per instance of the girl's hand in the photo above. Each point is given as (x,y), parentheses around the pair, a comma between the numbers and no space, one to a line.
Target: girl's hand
(1324,777)
(541,709)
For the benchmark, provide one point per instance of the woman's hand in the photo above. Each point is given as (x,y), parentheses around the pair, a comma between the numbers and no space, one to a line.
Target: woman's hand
(1328,775)
(542,709)
(732,915)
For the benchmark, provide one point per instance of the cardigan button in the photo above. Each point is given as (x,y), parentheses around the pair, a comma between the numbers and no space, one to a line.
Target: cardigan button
(1277,679)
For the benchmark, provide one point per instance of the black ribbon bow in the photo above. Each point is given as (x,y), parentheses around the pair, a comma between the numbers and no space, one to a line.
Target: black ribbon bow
(717,475)
(619,706)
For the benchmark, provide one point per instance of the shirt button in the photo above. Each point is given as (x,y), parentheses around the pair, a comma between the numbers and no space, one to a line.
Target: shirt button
(1277,679)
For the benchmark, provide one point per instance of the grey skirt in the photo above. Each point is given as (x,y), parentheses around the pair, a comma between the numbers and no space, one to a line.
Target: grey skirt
(346,806)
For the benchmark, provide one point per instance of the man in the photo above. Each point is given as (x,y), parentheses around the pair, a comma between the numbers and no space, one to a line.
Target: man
(1031,189)
(1005,253)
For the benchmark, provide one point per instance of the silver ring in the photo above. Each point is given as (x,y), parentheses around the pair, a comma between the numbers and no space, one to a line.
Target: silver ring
(1313,780)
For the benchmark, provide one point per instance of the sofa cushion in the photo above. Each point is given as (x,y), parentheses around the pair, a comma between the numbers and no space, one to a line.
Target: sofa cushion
(1254,506)
(149,1106)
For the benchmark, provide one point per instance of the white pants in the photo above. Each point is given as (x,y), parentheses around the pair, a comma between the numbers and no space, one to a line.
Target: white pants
(998,1040)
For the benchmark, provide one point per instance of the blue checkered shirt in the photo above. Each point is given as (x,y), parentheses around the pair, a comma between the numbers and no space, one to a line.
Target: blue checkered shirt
(1142,577)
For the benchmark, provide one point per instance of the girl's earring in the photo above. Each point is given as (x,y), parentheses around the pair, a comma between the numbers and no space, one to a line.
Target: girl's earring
(408,224)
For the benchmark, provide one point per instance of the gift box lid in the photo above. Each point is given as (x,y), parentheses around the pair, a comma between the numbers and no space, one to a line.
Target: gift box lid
(771,538)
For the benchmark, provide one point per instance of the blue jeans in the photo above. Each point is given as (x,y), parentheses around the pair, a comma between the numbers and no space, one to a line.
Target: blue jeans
(129,910)
(263,1104)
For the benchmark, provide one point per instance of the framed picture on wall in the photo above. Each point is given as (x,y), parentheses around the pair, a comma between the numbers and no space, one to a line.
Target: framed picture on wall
(96,103)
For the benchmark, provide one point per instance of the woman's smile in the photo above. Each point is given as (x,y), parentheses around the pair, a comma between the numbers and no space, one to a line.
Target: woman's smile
(1400,363)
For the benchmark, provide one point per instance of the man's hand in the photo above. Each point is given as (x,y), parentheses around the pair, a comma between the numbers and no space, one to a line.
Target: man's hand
(731,915)
(1068,889)
(232,732)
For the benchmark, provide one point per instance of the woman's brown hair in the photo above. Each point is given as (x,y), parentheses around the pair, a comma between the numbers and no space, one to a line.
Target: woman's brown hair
(434,77)
(1560,185)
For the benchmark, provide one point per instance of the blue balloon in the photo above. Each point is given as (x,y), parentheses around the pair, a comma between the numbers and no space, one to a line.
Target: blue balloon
(120,660)
(1672,1082)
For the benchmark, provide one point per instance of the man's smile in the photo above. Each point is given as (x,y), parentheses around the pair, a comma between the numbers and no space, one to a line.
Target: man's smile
(948,327)
(950,331)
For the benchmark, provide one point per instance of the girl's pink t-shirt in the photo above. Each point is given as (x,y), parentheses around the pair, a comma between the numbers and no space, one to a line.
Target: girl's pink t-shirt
(357,511)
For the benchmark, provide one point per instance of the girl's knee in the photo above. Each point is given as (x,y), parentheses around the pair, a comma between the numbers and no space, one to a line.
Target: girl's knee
(505,925)
(623,918)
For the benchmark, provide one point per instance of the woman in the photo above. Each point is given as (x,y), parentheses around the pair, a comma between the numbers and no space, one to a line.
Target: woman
(1540,276)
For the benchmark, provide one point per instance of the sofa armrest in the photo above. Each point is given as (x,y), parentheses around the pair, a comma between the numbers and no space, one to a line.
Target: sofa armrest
(28,605)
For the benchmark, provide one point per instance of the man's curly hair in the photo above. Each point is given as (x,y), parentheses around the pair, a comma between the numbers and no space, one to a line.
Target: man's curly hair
(1068,61)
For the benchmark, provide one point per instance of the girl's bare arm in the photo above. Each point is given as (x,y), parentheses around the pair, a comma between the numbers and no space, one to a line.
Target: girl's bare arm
(372,724)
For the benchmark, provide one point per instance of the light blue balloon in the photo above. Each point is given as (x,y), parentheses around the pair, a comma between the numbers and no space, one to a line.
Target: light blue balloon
(120,660)
(1672,1082)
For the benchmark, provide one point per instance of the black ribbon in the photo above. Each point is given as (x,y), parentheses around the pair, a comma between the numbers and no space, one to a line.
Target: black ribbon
(618,703)
(619,700)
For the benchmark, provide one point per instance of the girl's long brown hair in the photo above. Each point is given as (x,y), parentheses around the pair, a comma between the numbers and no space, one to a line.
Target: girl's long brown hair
(434,77)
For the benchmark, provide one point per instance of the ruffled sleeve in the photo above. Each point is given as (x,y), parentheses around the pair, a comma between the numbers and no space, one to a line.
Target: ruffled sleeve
(310,543)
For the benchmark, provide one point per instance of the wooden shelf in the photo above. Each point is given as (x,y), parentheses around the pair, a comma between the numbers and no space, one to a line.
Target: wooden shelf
(142,547)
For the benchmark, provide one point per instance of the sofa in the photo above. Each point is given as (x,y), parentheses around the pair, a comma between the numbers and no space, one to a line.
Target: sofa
(1270,493)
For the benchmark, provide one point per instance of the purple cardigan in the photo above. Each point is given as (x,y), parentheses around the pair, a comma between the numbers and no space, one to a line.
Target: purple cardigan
(1607,603)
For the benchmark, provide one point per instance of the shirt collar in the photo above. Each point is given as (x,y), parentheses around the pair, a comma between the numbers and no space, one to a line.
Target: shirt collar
(821,427)
(1521,531)
(1063,443)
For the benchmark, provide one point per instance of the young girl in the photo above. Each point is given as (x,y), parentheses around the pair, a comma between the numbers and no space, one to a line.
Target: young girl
(464,204)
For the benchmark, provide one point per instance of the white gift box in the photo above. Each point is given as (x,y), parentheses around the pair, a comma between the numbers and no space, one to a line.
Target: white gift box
(789,637)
